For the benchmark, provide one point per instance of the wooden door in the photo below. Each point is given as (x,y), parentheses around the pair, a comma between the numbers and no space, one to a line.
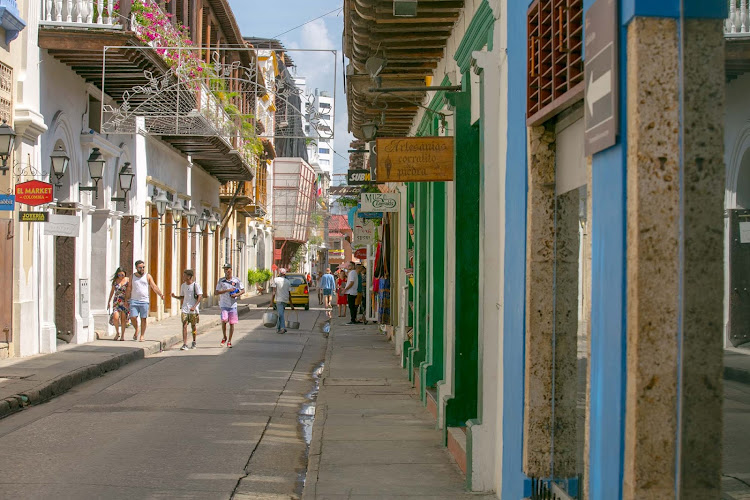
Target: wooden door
(183,246)
(168,263)
(6,280)
(152,266)
(65,287)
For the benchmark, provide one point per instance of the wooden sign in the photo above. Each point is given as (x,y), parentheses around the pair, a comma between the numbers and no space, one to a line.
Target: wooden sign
(415,159)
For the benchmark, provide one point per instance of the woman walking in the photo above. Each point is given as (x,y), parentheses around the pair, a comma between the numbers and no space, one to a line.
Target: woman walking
(341,299)
(119,317)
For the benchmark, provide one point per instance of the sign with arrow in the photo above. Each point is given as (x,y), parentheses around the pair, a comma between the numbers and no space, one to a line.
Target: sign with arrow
(601,74)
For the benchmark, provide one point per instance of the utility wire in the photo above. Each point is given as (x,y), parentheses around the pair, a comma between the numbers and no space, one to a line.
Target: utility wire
(338,9)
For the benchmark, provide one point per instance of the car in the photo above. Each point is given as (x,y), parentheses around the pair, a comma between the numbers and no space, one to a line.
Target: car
(299,291)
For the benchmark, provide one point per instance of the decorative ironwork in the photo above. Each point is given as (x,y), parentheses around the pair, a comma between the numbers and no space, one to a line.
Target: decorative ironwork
(224,98)
(6,93)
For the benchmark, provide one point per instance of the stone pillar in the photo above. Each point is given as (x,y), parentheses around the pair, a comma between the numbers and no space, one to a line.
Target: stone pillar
(674,310)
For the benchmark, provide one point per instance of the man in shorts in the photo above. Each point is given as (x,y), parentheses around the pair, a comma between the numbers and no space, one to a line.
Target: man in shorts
(228,289)
(137,296)
(190,295)
(327,284)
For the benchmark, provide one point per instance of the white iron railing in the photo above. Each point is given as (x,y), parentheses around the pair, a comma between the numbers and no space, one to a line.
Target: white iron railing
(80,13)
(738,22)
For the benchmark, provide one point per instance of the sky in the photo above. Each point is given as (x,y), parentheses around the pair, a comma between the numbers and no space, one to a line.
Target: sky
(269,19)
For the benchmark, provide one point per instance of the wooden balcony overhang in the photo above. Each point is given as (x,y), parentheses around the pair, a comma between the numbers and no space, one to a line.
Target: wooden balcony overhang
(214,154)
(736,56)
(82,49)
(412,48)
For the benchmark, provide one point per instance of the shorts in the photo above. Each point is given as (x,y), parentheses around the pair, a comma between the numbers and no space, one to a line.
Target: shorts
(229,316)
(139,309)
(327,291)
(190,318)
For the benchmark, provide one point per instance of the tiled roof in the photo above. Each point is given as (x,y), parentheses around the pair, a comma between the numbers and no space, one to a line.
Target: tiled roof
(339,224)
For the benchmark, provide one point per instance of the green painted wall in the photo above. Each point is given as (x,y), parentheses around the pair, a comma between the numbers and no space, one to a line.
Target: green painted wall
(463,406)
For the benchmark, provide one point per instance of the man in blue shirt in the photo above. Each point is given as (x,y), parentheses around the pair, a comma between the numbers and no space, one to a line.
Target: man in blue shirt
(327,283)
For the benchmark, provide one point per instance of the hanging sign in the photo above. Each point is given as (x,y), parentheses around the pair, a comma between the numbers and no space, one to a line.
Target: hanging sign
(415,159)
(277,254)
(7,202)
(370,215)
(34,193)
(344,190)
(364,232)
(63,225)
(335,253)
(24,216)
(83,301)
(380,202)
(360,253)
(358,177)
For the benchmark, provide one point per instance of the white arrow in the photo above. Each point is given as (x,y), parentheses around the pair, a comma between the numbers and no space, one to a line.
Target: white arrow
(598,89)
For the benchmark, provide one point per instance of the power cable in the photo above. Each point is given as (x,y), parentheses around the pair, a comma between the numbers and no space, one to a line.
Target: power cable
(338,9)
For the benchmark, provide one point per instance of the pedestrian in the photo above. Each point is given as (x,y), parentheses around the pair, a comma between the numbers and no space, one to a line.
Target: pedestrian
(228,289)
(281,293)
(340,295)
(327,284)
(361,298)
(351,293)
(119,316)
(190,296)
(137,296)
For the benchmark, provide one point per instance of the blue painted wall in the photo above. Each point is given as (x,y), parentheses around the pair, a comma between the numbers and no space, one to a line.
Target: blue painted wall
(514,294)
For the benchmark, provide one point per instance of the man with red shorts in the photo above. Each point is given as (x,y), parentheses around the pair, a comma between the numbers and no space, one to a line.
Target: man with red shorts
(228,289)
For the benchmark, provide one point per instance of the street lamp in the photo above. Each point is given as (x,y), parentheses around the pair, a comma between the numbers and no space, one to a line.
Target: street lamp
(255,239)
(96,164)
(240,242)
(59,162)
(7,139)
(125,178)
(212,223)
(369,130)
(161,201)
(190,217)
(202,222)
(177,211)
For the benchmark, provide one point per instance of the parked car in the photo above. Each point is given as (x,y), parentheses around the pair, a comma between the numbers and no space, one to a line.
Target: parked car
(299,291)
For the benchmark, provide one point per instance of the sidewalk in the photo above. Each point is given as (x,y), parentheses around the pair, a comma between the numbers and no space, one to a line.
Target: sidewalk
(372,437)
(737,365)
(36,379)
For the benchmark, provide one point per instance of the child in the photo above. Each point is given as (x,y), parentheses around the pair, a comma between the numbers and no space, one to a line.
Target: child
(190,295)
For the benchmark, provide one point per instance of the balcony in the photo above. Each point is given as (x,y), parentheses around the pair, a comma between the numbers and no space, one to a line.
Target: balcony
(737,35)
(738,22)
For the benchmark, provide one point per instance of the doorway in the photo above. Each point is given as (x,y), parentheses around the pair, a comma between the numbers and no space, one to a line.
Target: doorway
(6,283)
(65,295)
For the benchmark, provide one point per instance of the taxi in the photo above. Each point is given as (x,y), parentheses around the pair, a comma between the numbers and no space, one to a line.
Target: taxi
(298,291)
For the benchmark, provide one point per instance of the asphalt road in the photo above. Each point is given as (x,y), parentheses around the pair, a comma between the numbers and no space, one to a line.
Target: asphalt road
(736,451)
(209,423)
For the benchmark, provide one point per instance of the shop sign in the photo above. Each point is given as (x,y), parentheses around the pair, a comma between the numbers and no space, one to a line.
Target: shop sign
(601,76)
(34,193)
(25,216)
(83,300)
(344,190)
(360,253)
(7,202)
(364,232)
(277,254)
(415,159)
(409,271)
(335,253)
(380,202)
(63,225)
(358,177)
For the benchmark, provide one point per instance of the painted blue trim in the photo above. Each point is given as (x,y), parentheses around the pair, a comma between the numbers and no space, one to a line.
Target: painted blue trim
(10,20)
(608,306)
(716,9)
(514,296)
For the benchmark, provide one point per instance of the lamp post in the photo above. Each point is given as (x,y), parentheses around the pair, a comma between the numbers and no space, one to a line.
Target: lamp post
(59,161)
(96,164)
(125,178)
(7,140)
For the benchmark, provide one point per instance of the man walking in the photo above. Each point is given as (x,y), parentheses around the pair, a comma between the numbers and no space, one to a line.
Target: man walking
(228,289)
(282,294)
(327,284)
(137,296)
(351,293)
(190,295)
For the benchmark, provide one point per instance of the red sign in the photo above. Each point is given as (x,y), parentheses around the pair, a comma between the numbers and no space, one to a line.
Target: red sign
(34,193)
(277,254)
(360,253)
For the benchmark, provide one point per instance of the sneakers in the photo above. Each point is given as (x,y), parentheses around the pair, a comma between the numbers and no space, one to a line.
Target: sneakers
(184,347)
(229,344)
(223,342)
(195,344)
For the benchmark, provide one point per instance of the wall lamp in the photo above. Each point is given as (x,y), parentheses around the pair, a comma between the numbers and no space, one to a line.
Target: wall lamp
(255,239)
(240,242)
(96,164)
(125,177)
(60,162)
(161,201)
(369,130)
(7,139)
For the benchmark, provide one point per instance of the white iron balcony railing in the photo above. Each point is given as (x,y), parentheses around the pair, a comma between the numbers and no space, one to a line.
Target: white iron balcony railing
(738,22)
(80,13)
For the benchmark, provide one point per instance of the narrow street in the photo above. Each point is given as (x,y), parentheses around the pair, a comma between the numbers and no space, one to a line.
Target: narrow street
(205,423)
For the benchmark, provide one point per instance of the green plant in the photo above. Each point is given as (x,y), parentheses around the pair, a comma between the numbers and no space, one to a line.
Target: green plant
(315,241)
(266,274)
(347,201)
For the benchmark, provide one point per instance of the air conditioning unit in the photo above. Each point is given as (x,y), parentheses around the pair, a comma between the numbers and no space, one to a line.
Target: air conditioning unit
(405,8)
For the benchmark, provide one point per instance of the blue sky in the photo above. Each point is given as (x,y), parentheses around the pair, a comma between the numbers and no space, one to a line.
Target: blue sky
(269,19)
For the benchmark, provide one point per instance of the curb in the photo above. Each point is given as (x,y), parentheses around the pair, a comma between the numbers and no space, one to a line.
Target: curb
(316,442)
(62,384)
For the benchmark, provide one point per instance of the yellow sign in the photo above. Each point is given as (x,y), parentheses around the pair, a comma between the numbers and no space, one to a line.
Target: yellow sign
(415,159)
(33,216)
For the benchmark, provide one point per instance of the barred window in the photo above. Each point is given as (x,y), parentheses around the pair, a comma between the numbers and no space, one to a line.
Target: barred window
(6,93)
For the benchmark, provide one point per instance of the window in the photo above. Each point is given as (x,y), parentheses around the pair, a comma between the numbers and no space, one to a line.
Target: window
(325,162)
(95,114)
(324,151)
(6,93)
(337,245)
(325,106)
